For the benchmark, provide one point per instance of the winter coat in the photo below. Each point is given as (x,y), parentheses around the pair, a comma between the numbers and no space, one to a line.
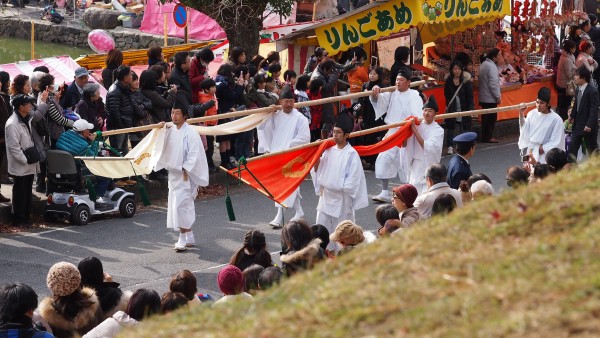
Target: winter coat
(409,216)
(303,259)
(75,144)
(4,114)
(90,111)
(489,82)
(566,69)
(228,96)
(119,107)
(196,74)
(18,138)
(182,80)
(465,96)
(161,106)
(86,319)
(71,97)
(141,109)
(328,90)
(108,77)
(112,326)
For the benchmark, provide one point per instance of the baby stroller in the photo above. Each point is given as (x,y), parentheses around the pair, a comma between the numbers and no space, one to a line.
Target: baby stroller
(49,14)
(67,202)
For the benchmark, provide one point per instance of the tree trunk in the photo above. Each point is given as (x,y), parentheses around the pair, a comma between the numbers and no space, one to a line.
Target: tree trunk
(245,34)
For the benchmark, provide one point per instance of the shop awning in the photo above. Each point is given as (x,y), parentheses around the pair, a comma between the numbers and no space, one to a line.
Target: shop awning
(383,18)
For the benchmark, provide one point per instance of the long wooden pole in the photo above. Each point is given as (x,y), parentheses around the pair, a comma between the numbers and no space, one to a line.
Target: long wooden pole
(32,40)
(258,110)
(399,124)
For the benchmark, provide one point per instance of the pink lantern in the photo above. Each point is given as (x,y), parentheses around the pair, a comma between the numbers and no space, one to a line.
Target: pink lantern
(100,41)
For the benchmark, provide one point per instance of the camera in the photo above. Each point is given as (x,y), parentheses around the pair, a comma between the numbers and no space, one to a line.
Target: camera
(525,158)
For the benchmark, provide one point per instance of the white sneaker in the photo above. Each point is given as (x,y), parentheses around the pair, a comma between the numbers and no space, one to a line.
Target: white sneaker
(450,151)
(180,245)
(384,197)
(189,239)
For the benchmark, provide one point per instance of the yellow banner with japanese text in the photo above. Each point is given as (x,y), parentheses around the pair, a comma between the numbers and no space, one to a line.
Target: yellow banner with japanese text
(395,15)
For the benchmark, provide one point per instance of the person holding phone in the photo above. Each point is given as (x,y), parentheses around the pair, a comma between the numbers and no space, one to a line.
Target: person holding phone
(542,130)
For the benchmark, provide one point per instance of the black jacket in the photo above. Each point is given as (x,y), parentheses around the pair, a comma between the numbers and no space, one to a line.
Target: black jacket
(89,111)
(228,96)
(119,107)
(465,96)
(108,77)
(71,97)
(161,106)
(458,170)
(182,80)
(329,86)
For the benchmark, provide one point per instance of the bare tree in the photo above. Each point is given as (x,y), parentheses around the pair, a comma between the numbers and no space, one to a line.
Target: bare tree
(240,19)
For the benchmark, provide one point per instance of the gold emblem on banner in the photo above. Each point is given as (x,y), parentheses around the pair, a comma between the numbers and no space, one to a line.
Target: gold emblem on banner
(288,169)
(142,157)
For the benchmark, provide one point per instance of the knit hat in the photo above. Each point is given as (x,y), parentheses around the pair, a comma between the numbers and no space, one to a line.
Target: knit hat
(348,232)
(407,194)
(63,279)
(544,94)
(230,280)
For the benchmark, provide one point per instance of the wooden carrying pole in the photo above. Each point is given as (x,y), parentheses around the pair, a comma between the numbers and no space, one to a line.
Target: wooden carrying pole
(399,124)
(257,111)
(32,40)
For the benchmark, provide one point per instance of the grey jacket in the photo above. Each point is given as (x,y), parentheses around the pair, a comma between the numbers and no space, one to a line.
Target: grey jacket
(489,82)
(566,69)
(19,138)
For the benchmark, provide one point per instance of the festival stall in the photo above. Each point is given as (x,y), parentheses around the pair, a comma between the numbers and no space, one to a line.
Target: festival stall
(453,26)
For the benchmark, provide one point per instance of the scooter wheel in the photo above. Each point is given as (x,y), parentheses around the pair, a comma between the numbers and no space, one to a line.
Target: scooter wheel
(81,215)
(127,207)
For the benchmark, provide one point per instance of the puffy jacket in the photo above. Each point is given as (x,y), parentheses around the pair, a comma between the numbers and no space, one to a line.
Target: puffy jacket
(160,105)
(70,141)
(90,111)
(19,136)
(119,107)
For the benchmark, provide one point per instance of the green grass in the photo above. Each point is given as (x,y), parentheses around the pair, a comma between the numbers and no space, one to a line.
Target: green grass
(526,263)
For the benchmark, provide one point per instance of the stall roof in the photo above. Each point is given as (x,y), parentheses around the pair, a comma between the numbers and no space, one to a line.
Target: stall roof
(383,18)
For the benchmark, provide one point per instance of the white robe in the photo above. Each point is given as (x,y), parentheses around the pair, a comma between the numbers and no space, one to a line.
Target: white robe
(398,106)
(183,149)
(282,131)
(340,182)
(419,158)
(545,130)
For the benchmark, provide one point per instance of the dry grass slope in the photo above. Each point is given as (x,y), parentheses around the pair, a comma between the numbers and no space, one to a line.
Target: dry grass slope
(524,264)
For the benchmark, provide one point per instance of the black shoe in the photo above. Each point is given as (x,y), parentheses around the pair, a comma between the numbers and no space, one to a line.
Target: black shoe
(40,188)
(212,168)
(4,199)
(230,166)
(7,180)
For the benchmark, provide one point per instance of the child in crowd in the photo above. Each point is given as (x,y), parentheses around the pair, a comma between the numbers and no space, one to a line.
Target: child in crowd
(185,282)
(319,231)
(316,111)
(274,84)
(347,235)
(207,93)
(172,301)
(302,95)
(231,282)
(254,251)
(269,277)
(384,213)
(251,274)
(289,77)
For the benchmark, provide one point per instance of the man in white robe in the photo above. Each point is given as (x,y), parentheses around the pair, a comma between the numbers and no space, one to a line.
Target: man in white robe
(339,180)
(425,146)
(397,105)
(183,156)
(543,129)
(285,129)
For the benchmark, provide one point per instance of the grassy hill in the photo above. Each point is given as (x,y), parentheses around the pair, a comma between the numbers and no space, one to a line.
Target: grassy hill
(526,263)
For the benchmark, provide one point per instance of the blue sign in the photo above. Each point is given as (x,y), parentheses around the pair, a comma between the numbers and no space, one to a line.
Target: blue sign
(180,16)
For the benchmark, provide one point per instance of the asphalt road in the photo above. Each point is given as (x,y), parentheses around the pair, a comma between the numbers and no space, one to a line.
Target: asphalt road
(138,252)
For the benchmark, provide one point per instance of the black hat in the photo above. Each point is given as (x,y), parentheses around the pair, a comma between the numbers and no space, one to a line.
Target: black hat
(468,137)
(287,93)
(21,99)
(431,103)
(544,94)
(182,103)
(345,122)
(404,74)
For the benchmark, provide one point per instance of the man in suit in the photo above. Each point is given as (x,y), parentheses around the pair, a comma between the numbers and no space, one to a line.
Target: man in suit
(584,115)
(75,89)
(459,168)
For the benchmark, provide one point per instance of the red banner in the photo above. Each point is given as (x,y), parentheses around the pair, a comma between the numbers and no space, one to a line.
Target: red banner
(281,174)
